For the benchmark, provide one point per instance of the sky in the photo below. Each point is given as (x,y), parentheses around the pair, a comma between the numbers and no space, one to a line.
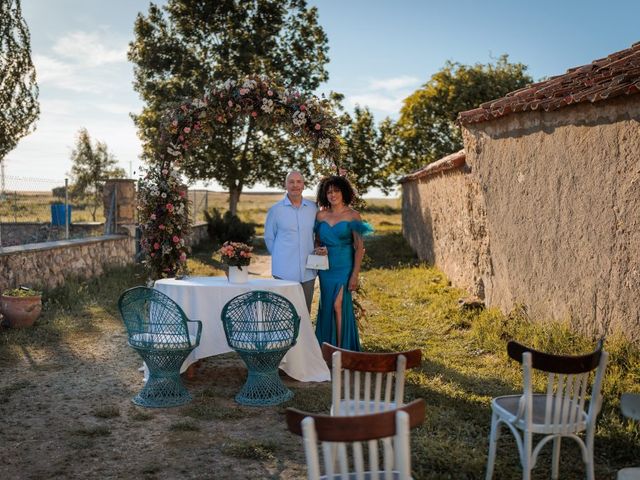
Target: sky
(380,50)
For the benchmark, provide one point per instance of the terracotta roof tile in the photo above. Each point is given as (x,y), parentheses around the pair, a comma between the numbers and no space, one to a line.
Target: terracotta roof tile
(615,75)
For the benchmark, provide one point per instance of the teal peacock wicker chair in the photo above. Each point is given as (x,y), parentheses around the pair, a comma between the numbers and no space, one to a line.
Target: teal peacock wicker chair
(261,326)
(158,331)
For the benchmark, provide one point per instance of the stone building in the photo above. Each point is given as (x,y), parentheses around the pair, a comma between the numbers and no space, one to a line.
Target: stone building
(542,207)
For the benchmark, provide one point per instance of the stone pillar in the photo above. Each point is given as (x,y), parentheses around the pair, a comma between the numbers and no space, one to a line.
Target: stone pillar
(124,190)
(123,216)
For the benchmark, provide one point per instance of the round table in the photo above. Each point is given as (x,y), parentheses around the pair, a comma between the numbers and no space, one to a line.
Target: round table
(202,298)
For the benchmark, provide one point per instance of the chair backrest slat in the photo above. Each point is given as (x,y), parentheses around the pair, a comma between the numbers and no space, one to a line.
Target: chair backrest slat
(374,463)
(367,392)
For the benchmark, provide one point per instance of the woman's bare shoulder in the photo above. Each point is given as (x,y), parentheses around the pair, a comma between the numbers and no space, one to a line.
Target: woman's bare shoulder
(321,215)
(354,215)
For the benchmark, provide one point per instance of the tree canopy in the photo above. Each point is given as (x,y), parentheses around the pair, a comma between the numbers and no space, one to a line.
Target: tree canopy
(184,47)
(92,165)
(427,128)
(19,106)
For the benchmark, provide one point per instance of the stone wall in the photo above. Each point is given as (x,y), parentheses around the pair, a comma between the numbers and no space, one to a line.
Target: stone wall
(443,219)
(548,215)
(562,196)
(46,265)
(36,232)
(198,234)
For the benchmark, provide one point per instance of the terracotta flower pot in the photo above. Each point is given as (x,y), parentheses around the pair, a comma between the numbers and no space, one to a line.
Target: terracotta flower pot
(21,311)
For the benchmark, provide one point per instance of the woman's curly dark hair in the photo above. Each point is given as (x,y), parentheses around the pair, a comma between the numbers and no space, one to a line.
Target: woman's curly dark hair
(341,183)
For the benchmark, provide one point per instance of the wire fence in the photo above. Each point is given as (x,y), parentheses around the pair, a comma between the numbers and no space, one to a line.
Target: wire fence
(34,210)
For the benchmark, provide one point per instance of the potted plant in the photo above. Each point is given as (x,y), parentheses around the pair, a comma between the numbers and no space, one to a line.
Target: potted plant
(236,255)
(21,306)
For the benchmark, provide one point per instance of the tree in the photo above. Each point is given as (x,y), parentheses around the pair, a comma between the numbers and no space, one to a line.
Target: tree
(19,106)
(427,128)
(369,151)
(186,45)
(92,165)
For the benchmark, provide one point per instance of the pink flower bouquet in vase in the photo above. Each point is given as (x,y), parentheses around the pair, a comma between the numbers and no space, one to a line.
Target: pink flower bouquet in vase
(236,255)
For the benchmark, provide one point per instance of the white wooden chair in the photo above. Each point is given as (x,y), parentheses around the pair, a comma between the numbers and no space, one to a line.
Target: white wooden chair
(339,436)
(358,379)
(630,406)
(560,412)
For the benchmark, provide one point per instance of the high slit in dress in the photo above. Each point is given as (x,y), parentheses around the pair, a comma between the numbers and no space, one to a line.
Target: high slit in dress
(338,239)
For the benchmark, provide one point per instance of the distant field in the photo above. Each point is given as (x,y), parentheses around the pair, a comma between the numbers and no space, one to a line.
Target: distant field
(383,213)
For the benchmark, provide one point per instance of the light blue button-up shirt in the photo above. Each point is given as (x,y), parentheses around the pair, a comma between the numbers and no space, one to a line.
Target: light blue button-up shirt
(288,233)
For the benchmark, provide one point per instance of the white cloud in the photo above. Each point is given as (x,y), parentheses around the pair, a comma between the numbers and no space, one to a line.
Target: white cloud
(384,96)
(89,49)
(387,104)
(394,83)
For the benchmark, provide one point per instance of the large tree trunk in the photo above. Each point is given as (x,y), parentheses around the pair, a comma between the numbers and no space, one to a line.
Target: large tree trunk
(234,198)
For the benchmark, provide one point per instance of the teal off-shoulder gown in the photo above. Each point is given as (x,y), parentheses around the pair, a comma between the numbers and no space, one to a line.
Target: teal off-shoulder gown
(338,239)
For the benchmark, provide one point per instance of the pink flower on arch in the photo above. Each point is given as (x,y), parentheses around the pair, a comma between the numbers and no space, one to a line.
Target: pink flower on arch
(183,193)
(230,103)
(161,227)
(176,239)
(302,108)
(153,216)
(170,207)
(156,246)
(254,114)
(183,257)
(186,129)
(318,126)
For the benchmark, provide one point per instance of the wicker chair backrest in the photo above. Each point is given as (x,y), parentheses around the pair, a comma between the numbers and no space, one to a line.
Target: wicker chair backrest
(153,319)
(260,321)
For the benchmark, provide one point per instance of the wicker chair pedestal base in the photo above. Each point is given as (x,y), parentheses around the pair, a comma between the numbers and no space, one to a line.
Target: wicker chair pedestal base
(164,387)
(263,389)
(163,392)
(263,386)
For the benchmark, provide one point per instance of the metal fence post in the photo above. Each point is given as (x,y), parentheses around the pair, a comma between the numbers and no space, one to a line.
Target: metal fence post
(66,208)
(206,200)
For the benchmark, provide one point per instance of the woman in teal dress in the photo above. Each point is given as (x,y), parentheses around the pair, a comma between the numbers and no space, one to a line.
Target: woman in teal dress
(339,230)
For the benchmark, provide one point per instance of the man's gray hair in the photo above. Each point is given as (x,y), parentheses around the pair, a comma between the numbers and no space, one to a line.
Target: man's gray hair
(293,172)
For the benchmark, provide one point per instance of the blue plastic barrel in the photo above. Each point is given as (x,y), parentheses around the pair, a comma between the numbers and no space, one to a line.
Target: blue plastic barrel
(57,213)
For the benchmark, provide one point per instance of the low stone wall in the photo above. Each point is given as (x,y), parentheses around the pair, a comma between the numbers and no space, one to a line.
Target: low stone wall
(36,232)
(46,265)
(198,234)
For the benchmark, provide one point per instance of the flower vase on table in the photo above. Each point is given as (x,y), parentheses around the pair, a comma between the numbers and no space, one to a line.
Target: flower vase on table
(237,256)
(238,275)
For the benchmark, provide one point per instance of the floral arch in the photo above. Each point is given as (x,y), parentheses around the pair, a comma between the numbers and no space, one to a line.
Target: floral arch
(163,204)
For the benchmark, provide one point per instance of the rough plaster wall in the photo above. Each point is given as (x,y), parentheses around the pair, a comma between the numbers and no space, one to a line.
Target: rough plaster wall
(562,196)
(443,221)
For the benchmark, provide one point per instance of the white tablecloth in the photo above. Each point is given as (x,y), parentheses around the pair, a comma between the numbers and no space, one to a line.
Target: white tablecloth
(202,298)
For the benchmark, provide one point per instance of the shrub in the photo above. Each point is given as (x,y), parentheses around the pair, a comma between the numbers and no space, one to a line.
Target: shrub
(228,227)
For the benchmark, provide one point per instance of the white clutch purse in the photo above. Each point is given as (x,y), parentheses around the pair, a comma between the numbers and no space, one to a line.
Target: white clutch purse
(317,262)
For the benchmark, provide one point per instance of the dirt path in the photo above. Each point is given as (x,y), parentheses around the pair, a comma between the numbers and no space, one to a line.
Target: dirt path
(66,412)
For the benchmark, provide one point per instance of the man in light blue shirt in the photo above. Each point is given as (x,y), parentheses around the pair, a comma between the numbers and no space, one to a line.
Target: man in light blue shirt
(288,233)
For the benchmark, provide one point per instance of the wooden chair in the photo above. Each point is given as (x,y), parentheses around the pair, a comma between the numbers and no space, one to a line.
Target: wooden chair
(560,412)
(358,379)
(337,434)
(630,406)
